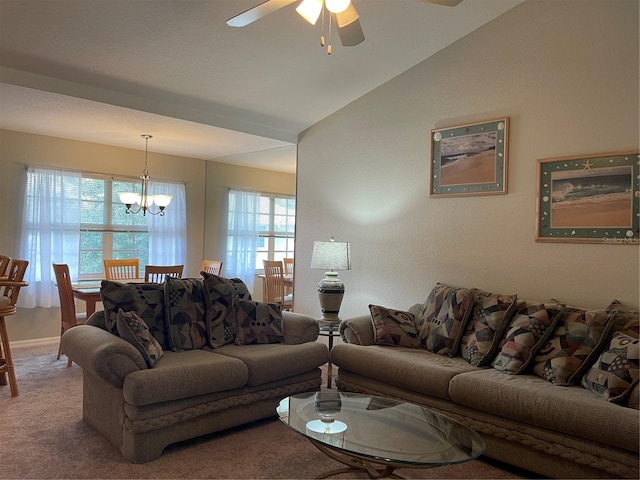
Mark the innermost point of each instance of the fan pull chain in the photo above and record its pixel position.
(330, 31)
(322, 24)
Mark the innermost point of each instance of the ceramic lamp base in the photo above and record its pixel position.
(330, 293)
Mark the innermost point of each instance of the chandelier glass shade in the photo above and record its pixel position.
(145, 200)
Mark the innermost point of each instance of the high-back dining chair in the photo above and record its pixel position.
(274, 284)
(9, 291)
(288, 266)
(4, 265)
(287, 262)
(69, 317)
(156, 273)
(125, 269)
(211, 266)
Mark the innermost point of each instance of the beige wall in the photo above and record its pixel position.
(566, 73)
(205, 186)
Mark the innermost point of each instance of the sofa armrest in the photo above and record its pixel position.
(299, 328)
(102, 354)
(357, 330)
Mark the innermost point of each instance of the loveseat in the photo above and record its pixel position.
(551, 388)
(163, 363)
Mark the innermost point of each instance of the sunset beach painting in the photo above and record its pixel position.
(589, 199)
(600, 197)
(470, 159)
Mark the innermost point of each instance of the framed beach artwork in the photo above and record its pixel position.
(470, 159)
(589, 199)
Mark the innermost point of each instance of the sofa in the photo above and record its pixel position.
(551, 388)
(163, 363)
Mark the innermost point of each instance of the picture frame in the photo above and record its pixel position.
(470, 159)
(589, 199)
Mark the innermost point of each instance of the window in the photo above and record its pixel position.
(77, 218)
(106, 230)
(277, 228)
(260, 227)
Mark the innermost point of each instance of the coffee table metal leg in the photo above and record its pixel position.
(354, 463)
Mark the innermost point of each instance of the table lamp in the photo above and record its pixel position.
(330, 256)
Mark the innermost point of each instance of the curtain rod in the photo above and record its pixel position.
(101, 175)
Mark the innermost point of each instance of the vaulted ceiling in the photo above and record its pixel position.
(106, 71)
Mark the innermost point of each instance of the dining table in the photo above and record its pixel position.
(287, 280)
(89, 292)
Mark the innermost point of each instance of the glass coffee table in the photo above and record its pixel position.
(378, 435)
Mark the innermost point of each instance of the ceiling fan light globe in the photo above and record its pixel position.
(337, 6)
(310, 10)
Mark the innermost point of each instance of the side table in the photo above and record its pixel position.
(329, 330)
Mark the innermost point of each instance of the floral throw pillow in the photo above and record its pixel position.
(258, 322)
(394, 327)
(185, 311)
(530, 328)
(489, 319)
(573, 346)
(615, 372)
(443, 317)
(133, 329)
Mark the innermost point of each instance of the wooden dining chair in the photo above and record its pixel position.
(288, 270)
(69, 317)
(288, 266)
(213, 267)
(274, 284)
(124, 269)
(4, 265)
(9, 291)
(157, 273)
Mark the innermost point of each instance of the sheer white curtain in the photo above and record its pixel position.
(50, 232)
(168, 233)
(243, 235)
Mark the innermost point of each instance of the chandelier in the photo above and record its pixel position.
(145, 201)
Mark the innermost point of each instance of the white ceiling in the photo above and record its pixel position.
(106, 71)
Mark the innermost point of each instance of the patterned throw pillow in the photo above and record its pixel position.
(132, 328)
(394, 327)
(258, 322)
(627, 319)
(145, 299)
(443, 318)
(185, 309)
(222, 298)
(615, 373)
(241, 288)
(530, 328)
(573, 346)
(489, 319)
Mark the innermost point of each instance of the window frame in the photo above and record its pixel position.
(107, 229)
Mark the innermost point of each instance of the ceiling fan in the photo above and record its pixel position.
(340, 12)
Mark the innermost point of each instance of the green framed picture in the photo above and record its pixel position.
(470, 159)
(589, 199)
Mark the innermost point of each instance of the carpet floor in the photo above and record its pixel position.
(43, 436)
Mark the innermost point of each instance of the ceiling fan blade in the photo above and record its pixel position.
(446, 3)
(349, 27)
(265, 8)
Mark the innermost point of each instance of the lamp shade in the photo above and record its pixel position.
(331, 256)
